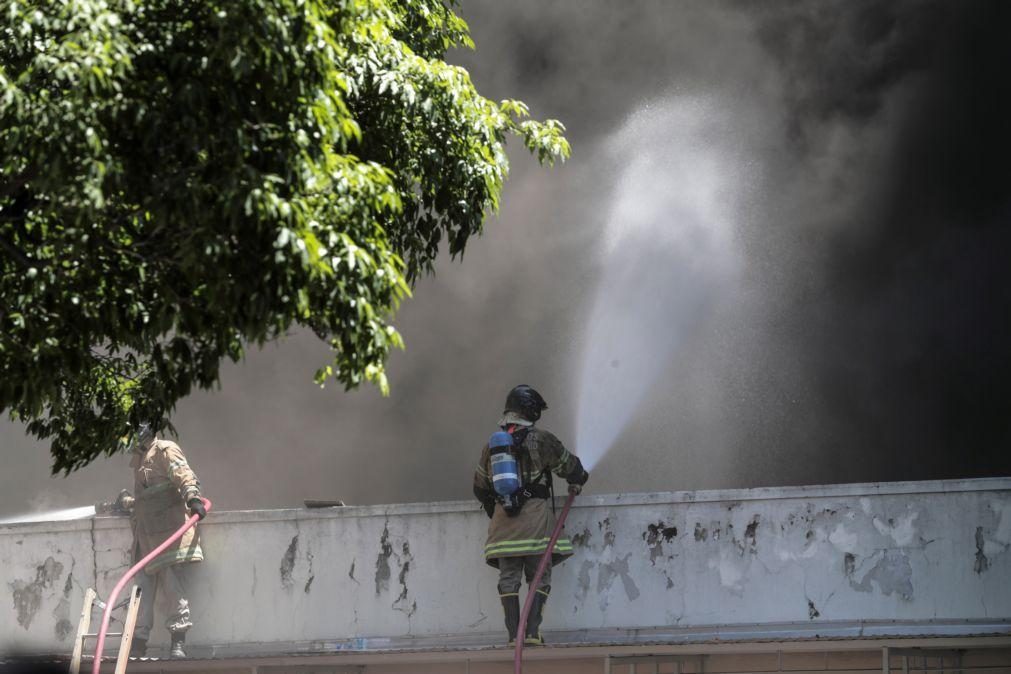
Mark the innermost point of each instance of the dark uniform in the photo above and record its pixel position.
(517, 541)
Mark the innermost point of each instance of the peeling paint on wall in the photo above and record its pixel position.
(394, 551)
(312, 576)
(1002, 529)
(288, 564)
(27, 596)
(401, 602)
(655, 536)
(751, 534)
(383, 561)
(844, 539)
(982, 561)
(583, 580)
(616, 569)
(892, 573)
(732, 569)
(901, 529)
(61, 614)
(993, 536)
(351, 571)
(605, 526)
(582, 539)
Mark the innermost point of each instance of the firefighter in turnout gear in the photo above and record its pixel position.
(521, 523)
(167, 492)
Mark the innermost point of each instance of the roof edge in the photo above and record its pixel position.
(861, 489)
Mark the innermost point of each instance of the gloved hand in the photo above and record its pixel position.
(197, 507)
(576, 485)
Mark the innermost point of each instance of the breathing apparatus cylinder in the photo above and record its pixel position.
(505, 473)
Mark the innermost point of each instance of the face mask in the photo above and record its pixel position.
(141, 439)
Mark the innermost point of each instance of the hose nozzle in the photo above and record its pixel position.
(123, 505)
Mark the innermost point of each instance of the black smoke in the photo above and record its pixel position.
(868, 339)
(910, 352)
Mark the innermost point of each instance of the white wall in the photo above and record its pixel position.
(902, 551)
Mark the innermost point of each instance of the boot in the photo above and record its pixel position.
(533, 632)
(511, 607)
(178, 640)
(138, 648)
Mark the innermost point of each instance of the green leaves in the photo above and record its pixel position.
(179, 180)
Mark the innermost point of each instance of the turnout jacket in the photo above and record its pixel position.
(163, 482)
(527, 532)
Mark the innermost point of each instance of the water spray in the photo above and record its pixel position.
(669, 253)
(52, 516)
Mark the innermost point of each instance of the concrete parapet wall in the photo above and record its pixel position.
(900, 551)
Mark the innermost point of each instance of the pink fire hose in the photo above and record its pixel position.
(532, 587)
(107, 614)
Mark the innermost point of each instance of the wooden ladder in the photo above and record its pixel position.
(125, 637)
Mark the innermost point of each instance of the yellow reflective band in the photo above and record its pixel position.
(534, 541)
(525, 540)
(560, 546)
(542, 541)
(522, 552)
(510, 594)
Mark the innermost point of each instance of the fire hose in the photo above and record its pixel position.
(111, 602)
(532, 587)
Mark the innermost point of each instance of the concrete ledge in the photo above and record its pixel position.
(668, 568)
(996, 484)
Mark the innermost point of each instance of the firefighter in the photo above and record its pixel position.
(521, 524)
(167, 492)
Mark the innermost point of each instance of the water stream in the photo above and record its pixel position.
(668, 252)
(52, 515)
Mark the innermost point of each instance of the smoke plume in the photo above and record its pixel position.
(865, 335)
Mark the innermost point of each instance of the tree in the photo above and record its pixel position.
(180, 180)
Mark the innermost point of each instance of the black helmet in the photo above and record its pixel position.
(526, 402)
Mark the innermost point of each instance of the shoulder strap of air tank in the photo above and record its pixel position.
(546, 473)
(511, 429)
(551, 488)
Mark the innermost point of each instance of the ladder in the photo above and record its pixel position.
(126, 636)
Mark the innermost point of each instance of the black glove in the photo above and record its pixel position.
(576, 485)
(489, 508)
(197, 507)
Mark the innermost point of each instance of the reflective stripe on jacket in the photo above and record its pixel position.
(528, 532)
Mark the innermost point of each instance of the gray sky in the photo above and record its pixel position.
(864, 337)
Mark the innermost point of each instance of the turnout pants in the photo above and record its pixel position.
(176, 584)
(513, 569)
